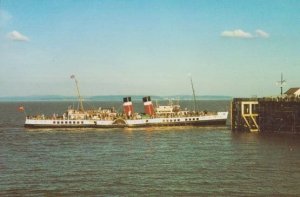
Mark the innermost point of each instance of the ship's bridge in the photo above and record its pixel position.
(164, 109)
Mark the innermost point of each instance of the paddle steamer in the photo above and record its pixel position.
(158, 115)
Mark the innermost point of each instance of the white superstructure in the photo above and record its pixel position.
(107, 118)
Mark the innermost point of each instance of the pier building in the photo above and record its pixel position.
(273, 114)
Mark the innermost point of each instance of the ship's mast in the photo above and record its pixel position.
(193, 94)
(281, 83)
(79, 97)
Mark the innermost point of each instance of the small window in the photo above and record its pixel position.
(70, 122)
(197, 118)
(73, 122)
(193, 118)
(66, 122)
(53, 122)
(81, 122)
(147, 120)
(178, 120)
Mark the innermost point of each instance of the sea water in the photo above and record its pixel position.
(174, 161)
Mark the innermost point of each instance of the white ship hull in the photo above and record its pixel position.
(203, 120)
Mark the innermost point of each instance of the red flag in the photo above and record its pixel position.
(21, 108)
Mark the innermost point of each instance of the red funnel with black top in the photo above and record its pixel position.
(148, 106)
(127, 106)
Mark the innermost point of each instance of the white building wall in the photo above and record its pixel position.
(297, 93)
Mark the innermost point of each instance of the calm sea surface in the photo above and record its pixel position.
(175, 161)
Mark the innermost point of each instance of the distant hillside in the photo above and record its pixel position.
(39, 98)
(110, 98)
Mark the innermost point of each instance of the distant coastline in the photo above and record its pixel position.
(109, 98)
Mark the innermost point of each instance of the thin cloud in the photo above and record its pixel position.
(261, 33)
(238, 33)
(17, 36)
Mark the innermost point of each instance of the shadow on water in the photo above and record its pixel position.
(268, 138)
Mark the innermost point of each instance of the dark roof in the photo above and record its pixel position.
(291, 91)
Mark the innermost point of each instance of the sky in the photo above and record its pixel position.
(149, 47)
